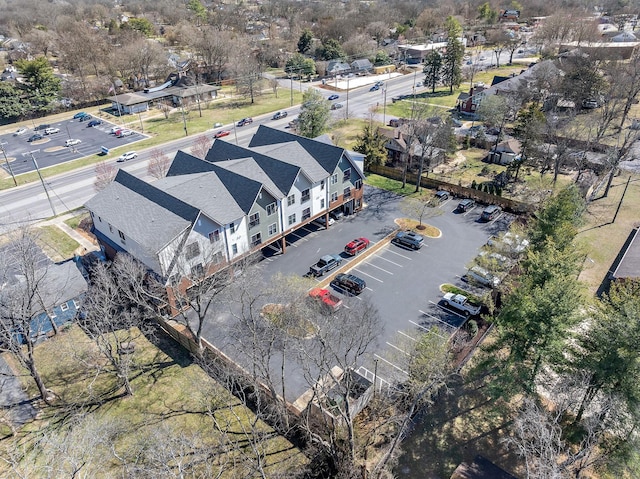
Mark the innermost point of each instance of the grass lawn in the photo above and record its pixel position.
(344, 133)
(56, 243)
(175, 404)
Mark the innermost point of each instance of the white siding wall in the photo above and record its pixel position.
(301, 184)
(239, 238)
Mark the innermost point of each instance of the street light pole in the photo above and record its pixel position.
(346, 113)
(384, 107)
(35, 163)
(184, 120)
(4, 153)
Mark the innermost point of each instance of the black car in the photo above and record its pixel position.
(466, 204)
(491, 212)
(349, 283)
(280, 114)
(35, 137)
(94, 123)
(409, 239)
(85, 118)
(44, 126)
(442, 196)
(245, 121)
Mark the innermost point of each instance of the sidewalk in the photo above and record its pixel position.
(59, 222)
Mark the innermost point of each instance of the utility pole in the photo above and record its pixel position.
(35, 163)
(184, 120)
(4, 153)
(384, 106)
(346, 113)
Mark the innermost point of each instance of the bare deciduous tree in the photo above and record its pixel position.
(201, 146)
(159, 164)
(105, 174)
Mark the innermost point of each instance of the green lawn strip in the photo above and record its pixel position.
(472, 298)
(56, 243)
(389, 184)
(169, 390)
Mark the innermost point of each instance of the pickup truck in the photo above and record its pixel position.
(324, 264)
(461, 303)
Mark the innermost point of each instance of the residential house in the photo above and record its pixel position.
(208, 213)
(505, 152)
(362, 65)
(509, 15)
(398, 147)
(338, 67)
(624, 37)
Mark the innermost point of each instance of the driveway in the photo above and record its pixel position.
(13, 397)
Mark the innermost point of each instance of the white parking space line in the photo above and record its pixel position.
(297, 236)
(397, 348)
(496, 218)
(407, 336)
(437, 319)
(392, 262)
(427, 314)
(448, 310)
(381, 269)
(399, 254)
(469, 211)
(391, 364)
(372, 277)
(419, 325)
(308, 230)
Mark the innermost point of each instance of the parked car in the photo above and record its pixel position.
(356, 246)
(51, 130)
(409, 239)
(72, 142)
(93, 123)
(329, 301)
(481, 276)
(124, 132)
(222, 133)
(322, 221)
(441, 196)
(349, 283)
(490, 213)
(129, 155)
(35, 137)
(280, 114)
(590, 104)
(42, 126)
(461, 303)
(79, 115)
(115, 130)
(333, 97)
(336, 106)
(245, 121)
(325, 264)
(85, 118)
(466, 204)
(20, 131)
(510, 243)
(336, 214)
(374, 88)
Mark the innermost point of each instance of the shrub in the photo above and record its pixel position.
(472, 326)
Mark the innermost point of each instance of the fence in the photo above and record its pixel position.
(457, 190)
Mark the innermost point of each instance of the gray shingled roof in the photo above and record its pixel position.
(244, 190)
(279, 173)
(205, 191)
(186, 164)
(294, 153)
(147, 215)
(327, 156)
(251, 169)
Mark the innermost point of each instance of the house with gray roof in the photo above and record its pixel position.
(211, 212)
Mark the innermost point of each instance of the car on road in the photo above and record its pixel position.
(323, 222)
(325, 264)
(217, 125)
(333, 97)
(123, 133)
(51, 130)
(329, 301)
(490, 213)
(79, 115)
(72, 142)
(466, 205)
(245, 121)
(356, 246)
(441, 196)
(20, 131)
(336, 106)
(374, 88)
(419, 84)
(129, 155)
(409, 239)
(93, 123)
(222, 133)
(35, 137)
(349, 283)
(280, 114)
(85, 118)
(461, 303)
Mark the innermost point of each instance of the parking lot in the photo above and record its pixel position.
(403, 284)
(51, 149)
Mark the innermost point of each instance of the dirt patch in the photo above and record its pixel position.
(423, 229)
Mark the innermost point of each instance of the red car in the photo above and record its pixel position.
(357, 245)
(331, 302)
(222, 133)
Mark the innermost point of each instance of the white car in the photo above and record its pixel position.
(123, 133)
(321, 220)
(20, 131)
(72, 142)
(129, 155)
(51, 130)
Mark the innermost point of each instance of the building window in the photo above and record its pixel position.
(256, 239)
(271, 209)
(122, 238)
(217, 257)
(292, 219)
(52, 315)
(76, 304)
(358, 184)
(234, 249)
(347, 192)
(214, 236)
(197, 271)
(232, 228)
(306, 214)
(305, 196)
(322, 185)
(64, 306)
(192, 250)
(334, 179)
(346, 174)
(334, 197)
(254, 220)
(273, 229)
(291, 200)
(99, 219)
(110, 228)
(321, 203)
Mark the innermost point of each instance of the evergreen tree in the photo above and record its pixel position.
(371, 144)
(41, 85)
(452, 73)
(432, 69)
(305, 41)
(314, 114)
